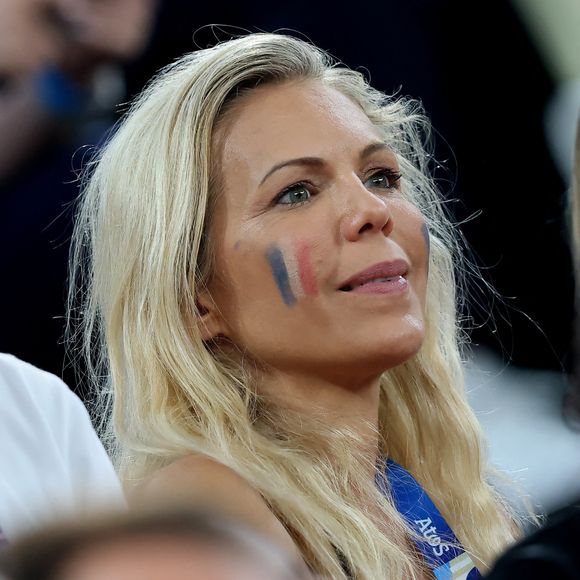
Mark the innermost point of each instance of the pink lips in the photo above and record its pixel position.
(381, 278)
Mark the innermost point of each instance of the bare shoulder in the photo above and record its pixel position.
(197, 478)
(191, 469)
(203, 482)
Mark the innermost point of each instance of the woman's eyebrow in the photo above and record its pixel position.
(318, 162)
(308, 161)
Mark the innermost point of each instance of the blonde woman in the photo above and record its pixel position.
(270, 281)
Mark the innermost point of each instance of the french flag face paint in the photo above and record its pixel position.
(293, 272)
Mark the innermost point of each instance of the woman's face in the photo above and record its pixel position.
(321, 264)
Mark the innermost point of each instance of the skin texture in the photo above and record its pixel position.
(327, 348)
(200, 481)
(170, 559)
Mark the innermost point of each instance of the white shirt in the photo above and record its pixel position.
(52, 463)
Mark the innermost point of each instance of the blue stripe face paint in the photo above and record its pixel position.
(427, 237)
(280, 272)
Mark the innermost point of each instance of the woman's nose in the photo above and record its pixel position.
(365, 213)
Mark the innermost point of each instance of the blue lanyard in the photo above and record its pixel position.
(441, 549)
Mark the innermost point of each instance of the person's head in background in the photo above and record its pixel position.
(161, 545)
(232, 320)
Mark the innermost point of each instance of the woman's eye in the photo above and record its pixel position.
(384, 179)
(295, 194)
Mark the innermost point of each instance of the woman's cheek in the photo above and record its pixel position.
(291, 267)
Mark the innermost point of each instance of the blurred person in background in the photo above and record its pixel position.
(572, 397)
(61, 76)
(157, 545)
(55, 56)
(52, 463)
(550, 553)
(267, 287)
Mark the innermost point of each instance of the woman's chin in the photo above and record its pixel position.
(402, 348)
(370, 365)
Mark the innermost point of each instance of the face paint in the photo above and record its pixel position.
(427, 237)
(293, 272)
(305, 271)
(280, 272)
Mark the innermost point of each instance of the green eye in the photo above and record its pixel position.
(384, 179)
(295, 194)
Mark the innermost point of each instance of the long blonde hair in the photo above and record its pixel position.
(142, 250)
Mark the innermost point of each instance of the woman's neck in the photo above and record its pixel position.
(349, 408)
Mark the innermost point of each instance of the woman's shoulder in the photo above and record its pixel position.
(203, 482)
(194, 477)
(193, 468)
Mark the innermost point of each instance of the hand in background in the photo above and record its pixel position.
(108, 29)
(28, 39)
(74, 35)
(51, 52)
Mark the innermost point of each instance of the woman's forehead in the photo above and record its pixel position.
(290, 120)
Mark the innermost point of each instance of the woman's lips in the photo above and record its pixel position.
(384, 277)
(395, 285)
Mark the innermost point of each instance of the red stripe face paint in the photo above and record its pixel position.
(305, 269)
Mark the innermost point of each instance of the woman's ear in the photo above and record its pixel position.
(210, 323)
